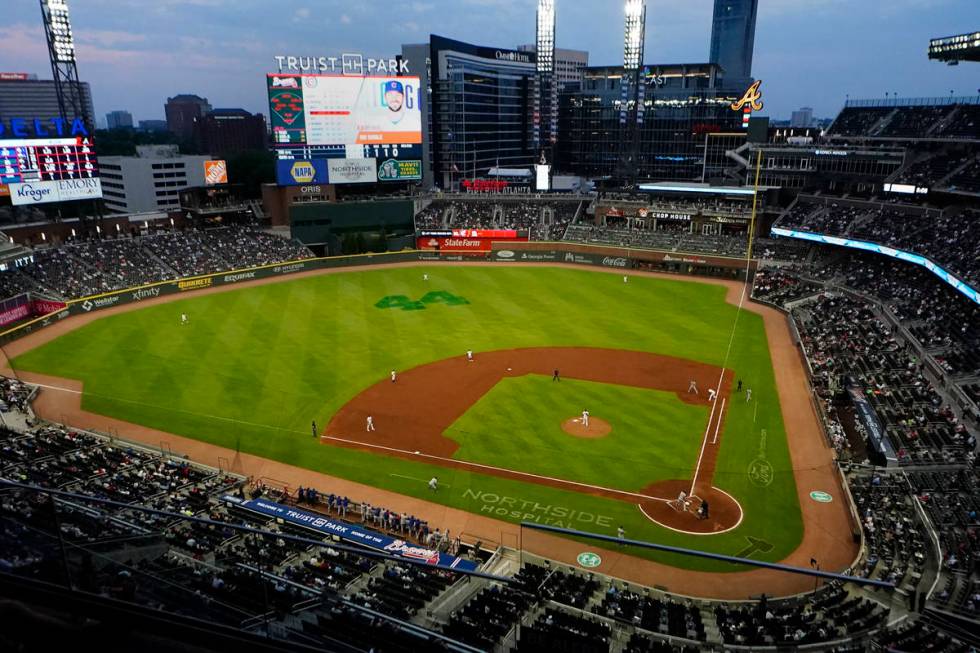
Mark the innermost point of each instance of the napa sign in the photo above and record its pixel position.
(42, 128)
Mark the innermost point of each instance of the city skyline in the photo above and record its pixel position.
(812, 53)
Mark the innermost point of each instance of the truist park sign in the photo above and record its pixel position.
(349, 63)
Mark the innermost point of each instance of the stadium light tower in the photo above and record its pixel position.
(61, 50)
(631, 96)
(547, 83)
(636, 17)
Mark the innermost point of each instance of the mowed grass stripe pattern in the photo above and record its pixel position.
(255, 365)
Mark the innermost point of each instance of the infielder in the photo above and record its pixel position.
(370, 423)
(585, 418)
(693, 387)
(469, 355)
(393, 376)
(711, 394)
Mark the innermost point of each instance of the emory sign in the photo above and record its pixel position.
(346, 64)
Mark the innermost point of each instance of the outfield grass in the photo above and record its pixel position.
(517, 425)
(255, 365)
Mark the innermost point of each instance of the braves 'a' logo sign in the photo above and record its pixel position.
(752, 97)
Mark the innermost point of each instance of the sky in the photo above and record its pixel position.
(136, 53)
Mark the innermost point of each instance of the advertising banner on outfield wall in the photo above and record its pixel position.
(44, 306)
(351, 533)
(15, 310)
(509, 256)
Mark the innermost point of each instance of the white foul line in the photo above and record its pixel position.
(728, 353)
(467, 463)
(714, 440)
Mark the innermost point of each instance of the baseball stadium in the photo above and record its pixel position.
(664, 375)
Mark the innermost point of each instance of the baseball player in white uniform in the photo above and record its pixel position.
(183, 319)
(370, 423)
(693, 387)
(625, 279)
(748, 395)
(469, 355)
(711, 394)
(434, 483)
(393, 376)
(425, 277)
(585, 418)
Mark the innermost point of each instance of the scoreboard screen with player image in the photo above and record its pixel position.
(349, 112)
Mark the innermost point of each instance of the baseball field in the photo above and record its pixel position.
(255, 366)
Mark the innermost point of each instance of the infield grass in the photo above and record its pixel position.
(256, 364)
(517, 425)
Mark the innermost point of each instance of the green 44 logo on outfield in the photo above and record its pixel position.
(434, 297)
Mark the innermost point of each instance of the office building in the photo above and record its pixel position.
(222, 132)
(482, 110)
(569, 64)
(183, 112)
(153, 125)
(733, 39)
(119, 120)
(25, 96)
(686, 113)
(802, 117)
(149, 181)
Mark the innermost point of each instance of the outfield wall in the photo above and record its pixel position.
(504, 252)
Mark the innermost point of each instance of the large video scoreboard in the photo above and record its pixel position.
(50, 159)
(42, 163)
(344, 129)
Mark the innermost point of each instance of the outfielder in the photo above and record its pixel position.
(425, 277)
(625, 279)
(183, 319)
(370, 423)
(748, 394)
(585, 418)
(693, 387)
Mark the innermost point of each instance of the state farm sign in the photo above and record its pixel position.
(475, 245)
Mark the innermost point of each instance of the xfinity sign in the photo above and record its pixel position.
(349, 63)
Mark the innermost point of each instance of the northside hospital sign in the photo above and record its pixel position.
(348, 63)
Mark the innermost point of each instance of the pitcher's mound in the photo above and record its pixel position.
(597, 428)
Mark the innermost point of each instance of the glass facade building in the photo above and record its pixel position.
(733, 39)
(684, 112)
(484, 110)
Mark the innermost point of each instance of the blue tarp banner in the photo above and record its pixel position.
(878, 439)
(351, 533)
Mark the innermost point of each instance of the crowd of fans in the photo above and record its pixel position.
(542, 219)
(950, 238)
(942, 121)
(80, 269)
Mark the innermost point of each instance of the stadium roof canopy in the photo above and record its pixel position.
(697, 189)
(953, 49)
